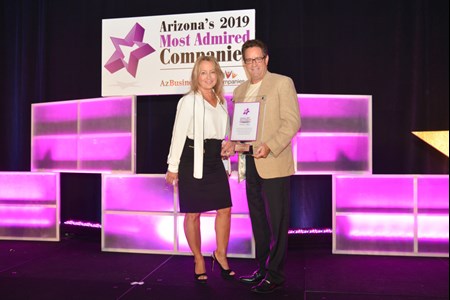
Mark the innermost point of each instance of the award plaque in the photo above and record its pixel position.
(244, 127)
(245, 121)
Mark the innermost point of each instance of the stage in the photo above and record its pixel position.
(76, 268)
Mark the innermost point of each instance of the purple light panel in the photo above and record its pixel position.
(141, 232)
(106, 115)
(331, 153)
(387, 193)
(241, 239)
(31, 217)
(433, 217)
(138, 193)
(238, 195)
(334, 106)
(391, 226)
(106, 153)
(54, 118)
(54, 153)
(391, 214)
(432, 194)
(335, 136)
(374, 234)
(90, 135)
(139, 213)
(433, 228)
(29, 206)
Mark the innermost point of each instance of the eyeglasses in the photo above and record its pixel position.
(258, 60)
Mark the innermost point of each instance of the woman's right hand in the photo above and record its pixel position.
(172, 178)
(227, 149)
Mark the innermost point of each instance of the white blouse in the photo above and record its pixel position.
(197, 120)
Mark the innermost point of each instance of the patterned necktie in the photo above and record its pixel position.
(241, 167)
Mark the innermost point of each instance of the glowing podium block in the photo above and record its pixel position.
(140, 214)
(89, 135)
(391, 215)
(29, 206)
(335, 136)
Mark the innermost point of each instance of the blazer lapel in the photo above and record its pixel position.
(263, 97)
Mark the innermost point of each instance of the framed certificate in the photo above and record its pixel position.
(244, 127)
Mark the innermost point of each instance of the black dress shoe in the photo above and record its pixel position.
(256, 277)
(265, 287)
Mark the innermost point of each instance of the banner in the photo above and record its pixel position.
(155, 55)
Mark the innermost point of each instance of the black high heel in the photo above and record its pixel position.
(200, 280)
(197, 277)
(226, 274)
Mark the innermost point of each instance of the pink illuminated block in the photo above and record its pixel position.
(138, 193)
(353, 193)
(330, 154)
(332, 148)
(323, 106)
(54, 152)
(54, 118)
(241, 238)
(29, 187)
(89, 135)
(391, 226)
(138, 233)
(238, 195)
(320, 153)
(58, 111)
(109, 107)
(432, 193)
(132, 203)
(105, 147)
(112, 114)
(32, 217)
(334, 106)
(391, 214)
(433, 214)
(335, 135)
(29, 206)
(374, 233)
(433, 227)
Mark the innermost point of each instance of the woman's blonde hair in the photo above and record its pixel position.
(218, 88)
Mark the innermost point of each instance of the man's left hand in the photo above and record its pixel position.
(262, 151)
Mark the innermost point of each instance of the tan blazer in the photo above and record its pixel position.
(279, 121)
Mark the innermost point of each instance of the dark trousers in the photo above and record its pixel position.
(268, 203)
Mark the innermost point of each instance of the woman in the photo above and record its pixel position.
(195, 163)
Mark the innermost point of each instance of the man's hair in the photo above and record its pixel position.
(254, 43)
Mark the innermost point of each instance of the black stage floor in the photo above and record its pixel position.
(76, 268)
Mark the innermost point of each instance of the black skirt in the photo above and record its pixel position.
(212, 192)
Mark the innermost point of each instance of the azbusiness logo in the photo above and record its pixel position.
(133, 39)
(232, 79)
(230, 74)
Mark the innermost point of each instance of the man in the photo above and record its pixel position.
(268, 171)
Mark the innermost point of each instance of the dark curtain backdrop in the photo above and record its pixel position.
(395, 50)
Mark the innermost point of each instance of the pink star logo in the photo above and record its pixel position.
(117, 62)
